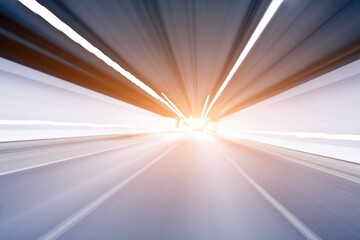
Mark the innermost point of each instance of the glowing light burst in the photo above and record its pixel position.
(275, 4)
(194, 125)
(199, 136)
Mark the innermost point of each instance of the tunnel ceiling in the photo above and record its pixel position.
(185, 48)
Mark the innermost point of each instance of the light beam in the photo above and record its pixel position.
(204, 107)
(54, 21)
(174, 106)
(275, 4)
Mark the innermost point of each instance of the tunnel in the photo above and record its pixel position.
(180, 119)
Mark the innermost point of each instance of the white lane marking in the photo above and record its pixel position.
(312, 165)
(67, 159)
(70, 222)
(300, 226)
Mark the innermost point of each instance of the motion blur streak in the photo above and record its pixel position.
(308, 234)
(192, 182)
(275, 4)
(320, 117)
(63, 124)
(77, 217)
(37, 8)
(204, 107)
(174, 106)
(35, 105)
(245, 124)
(348, 137)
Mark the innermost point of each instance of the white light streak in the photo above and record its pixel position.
(61, 124)
(275, 4)
(347, 153)
(205, 105)
(309, 135)
(53, 20)
(174, 106)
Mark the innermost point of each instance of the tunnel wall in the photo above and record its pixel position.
(321, 117)
(34, 105)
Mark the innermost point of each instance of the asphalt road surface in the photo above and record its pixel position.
(174, 186)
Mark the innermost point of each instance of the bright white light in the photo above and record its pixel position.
(174, 106)
(48, 16)
(198, 123)
(194, 124)
(316, 135)
(61, 124)
(204, 107)
(199, 136)
(347, 153)
(275, 4)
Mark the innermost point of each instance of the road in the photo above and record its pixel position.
(174, 186)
